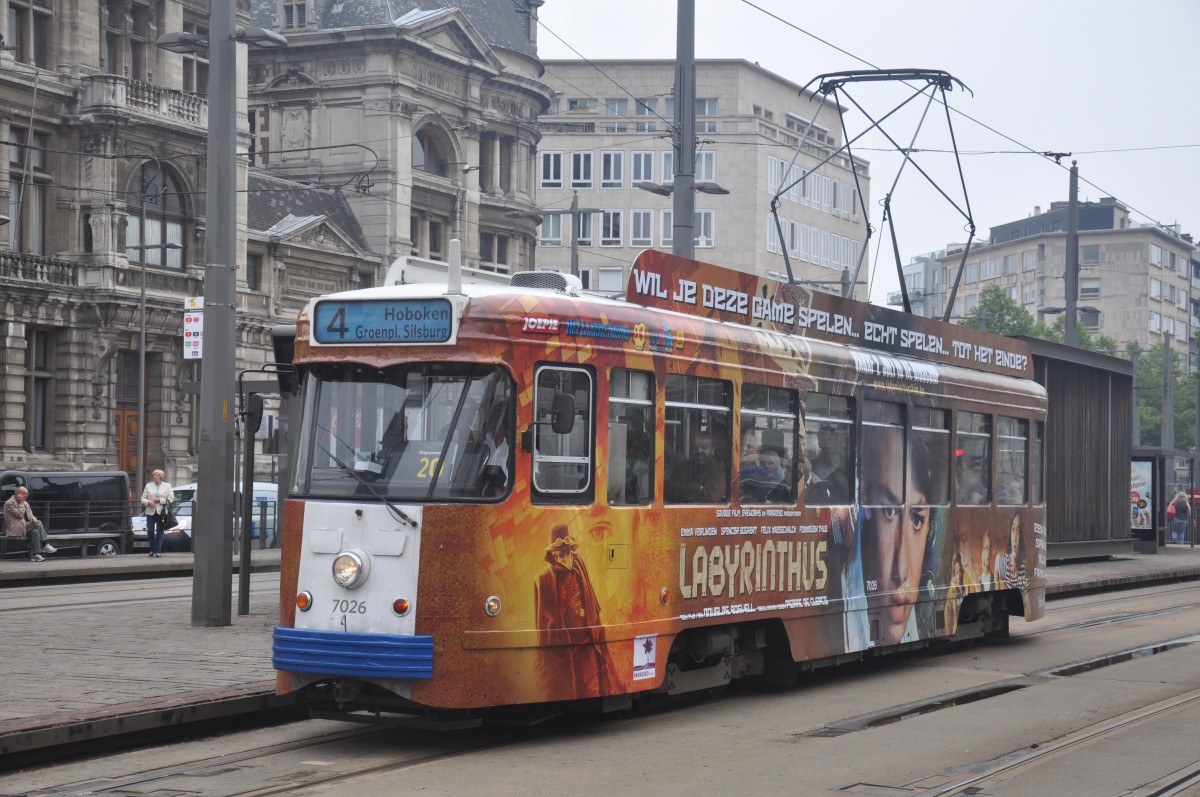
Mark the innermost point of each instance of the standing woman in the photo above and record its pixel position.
(157, 498)
(1179, 523)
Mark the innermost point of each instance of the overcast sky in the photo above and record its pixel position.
(1114, 83)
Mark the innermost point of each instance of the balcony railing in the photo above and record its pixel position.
(25, 267)
(105, 92)
(567, 127)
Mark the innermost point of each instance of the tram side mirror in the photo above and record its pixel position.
(562, 419)
(562, 413)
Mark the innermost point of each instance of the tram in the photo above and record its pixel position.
(523, 494)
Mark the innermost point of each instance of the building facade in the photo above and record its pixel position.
(1136, 281)
(103, 175)
(609, 129)
(426, 120)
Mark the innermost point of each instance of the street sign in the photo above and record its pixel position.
(193, 327)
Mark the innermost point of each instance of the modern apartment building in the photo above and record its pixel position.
(1136, 281)
(609, 129)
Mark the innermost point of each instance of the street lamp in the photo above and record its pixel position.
(141, 416)
(212, 582)
(700, 187)
(1071, 335)
(574, 211)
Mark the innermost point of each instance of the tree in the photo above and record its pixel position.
(1001, 314)
(1150, 398)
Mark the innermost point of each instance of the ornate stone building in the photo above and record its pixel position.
(420, 125)
(426, 119)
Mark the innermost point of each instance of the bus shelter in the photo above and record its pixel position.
(1089, 432)
(1155, 476)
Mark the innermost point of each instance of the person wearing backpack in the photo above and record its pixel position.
(1178, 515)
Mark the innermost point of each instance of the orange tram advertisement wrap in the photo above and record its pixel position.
(527, 495)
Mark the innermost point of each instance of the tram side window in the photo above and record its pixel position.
(562, 463)
(767, 460)
(881, 462)
(931, 452)
(630, 437)
(1012, 443)
(974, 452)
(829, 426)
(697, 440)
(1037, 452)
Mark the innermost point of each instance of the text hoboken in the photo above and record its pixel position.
(407, 312)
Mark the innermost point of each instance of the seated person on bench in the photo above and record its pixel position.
(20, 523)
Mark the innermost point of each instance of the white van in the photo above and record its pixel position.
(266, 498)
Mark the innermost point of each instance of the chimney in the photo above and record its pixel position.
(1037, 210)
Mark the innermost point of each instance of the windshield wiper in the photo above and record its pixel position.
(396, 511)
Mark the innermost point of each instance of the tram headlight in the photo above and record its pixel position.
(492, 606)
(350, 569)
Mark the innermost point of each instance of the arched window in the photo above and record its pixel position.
(154, 233)
(428, 155)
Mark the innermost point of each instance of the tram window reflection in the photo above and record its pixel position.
(829, 427)
(630, 437)
(1012, 444)
(1037, 453)
(974, 454)
(767, 460)
(931, 436)
(697, 440)
(562, 463)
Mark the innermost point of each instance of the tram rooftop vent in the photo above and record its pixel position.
(547, 281)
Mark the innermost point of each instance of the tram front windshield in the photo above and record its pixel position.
(420, 432)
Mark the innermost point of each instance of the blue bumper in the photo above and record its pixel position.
(359, 655)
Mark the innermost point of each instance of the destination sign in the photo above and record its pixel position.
(351, 322)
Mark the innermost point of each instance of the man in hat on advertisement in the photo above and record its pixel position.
(572, 659)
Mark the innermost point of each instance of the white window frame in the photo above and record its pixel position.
(610, 228)
(612, 169)
(549, 232)
(667, 234)
(641, 227)
(641, 167)
(581, 170)
(549, 161)
(604, 279)
(584, 229)
(706, 167)
(704, 223)
(668, 169)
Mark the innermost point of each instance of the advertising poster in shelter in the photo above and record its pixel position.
(1141, 495)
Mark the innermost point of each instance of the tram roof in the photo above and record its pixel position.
(668, 285)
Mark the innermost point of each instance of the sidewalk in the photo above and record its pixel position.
(73, 674)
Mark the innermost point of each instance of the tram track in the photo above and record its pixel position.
(990, 772)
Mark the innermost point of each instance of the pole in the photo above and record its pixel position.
(684, 204)
(141, 416)
(1195, 452)
(213, 580)
(1072, 269)
(247, 517)
(1168, 410)
(1134, 355)
(574, 233)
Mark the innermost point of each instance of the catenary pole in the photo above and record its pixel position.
(212, 581)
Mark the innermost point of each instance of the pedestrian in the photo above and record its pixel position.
(1179, 513)
(157, 499)
(20, 523)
